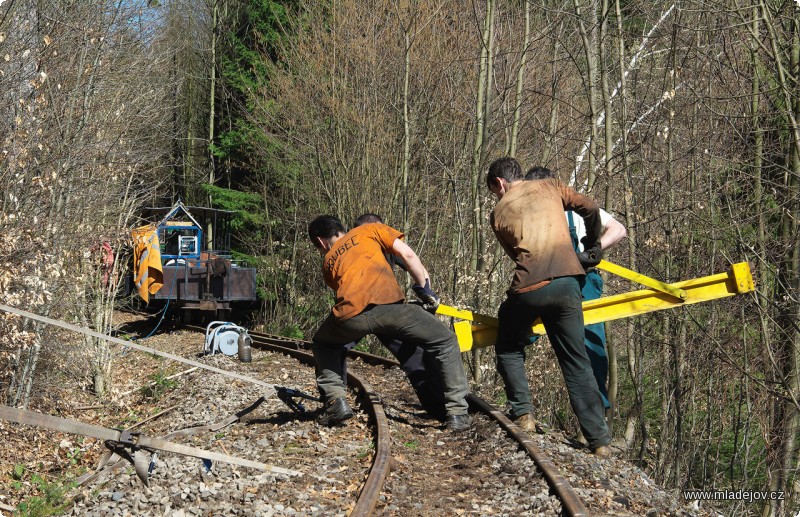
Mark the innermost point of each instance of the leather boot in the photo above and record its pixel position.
(603, 451)
(336, 410)
(611, 450)
(528, 424)
(458, 422)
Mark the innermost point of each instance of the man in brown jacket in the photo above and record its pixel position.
(529, 223)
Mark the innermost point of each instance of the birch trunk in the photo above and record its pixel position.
(482, 110)
(512, 146)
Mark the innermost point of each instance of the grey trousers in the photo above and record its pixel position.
(407, 322)
(559, 305)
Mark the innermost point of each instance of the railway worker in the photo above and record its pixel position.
(414, 362)
(529, 223)
(370, 301)
(594, 335)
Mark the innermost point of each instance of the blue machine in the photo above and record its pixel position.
(199, 271)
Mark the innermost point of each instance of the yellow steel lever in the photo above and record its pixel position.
(479, 330)
(639, 278)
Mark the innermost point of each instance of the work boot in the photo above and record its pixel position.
(458, 422)
(336, 410)
(604, 451)
(528, 424)
(615, 449)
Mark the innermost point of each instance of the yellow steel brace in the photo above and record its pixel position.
(478, 330)
(646, 281)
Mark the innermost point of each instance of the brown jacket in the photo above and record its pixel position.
(529, 223)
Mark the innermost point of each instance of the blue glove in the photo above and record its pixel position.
(533, 338)
(429, 299)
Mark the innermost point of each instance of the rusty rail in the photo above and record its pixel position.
(372, 404)
(573, 506)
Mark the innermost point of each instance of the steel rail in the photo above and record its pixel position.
(127, 438)
(570, 500)
(300, 344)
(370, 401)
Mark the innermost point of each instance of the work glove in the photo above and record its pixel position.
(591, 255)
(429, 299)
(589, 244)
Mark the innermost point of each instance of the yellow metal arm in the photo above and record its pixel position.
(646, 281)
(478, 330)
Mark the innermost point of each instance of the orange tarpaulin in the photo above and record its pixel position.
(148, 276)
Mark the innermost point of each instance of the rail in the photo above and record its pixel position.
(370, 401)
(571, 502)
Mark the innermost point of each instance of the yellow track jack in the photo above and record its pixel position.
(478, 330)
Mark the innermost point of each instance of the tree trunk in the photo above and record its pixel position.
(19, 110)
(552, 125)
(406, 127)
(512, 145)
(590, 46)
(212, 113)
(482, 110)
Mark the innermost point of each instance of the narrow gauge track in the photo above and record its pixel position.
(571, 502)
(370, 402)
(443, 476)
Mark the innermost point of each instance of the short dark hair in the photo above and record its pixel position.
(507, 168)
(325, 227)
(367, 218)
(539, 173)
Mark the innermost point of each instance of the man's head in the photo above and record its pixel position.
(367, 218)
(322, 230)
(503, 172)
(539, 173)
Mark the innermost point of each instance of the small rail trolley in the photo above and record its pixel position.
(185, 259)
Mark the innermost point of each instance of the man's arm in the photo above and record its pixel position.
(587, 209)
(613, 232)
(413, 263)
(396, 260)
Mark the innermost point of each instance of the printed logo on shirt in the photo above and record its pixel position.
(340, 250)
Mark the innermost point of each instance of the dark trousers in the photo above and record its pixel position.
(421, 371)
(559, 305)
(420, 368)
(412, 326)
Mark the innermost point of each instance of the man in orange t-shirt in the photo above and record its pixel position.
(415, 363)
(370, 301)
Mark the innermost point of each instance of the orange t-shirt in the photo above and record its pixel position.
(357, 271)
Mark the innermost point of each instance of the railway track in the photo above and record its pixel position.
(571, 502)
(482, 453)
(345, 470)
(370, 402)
